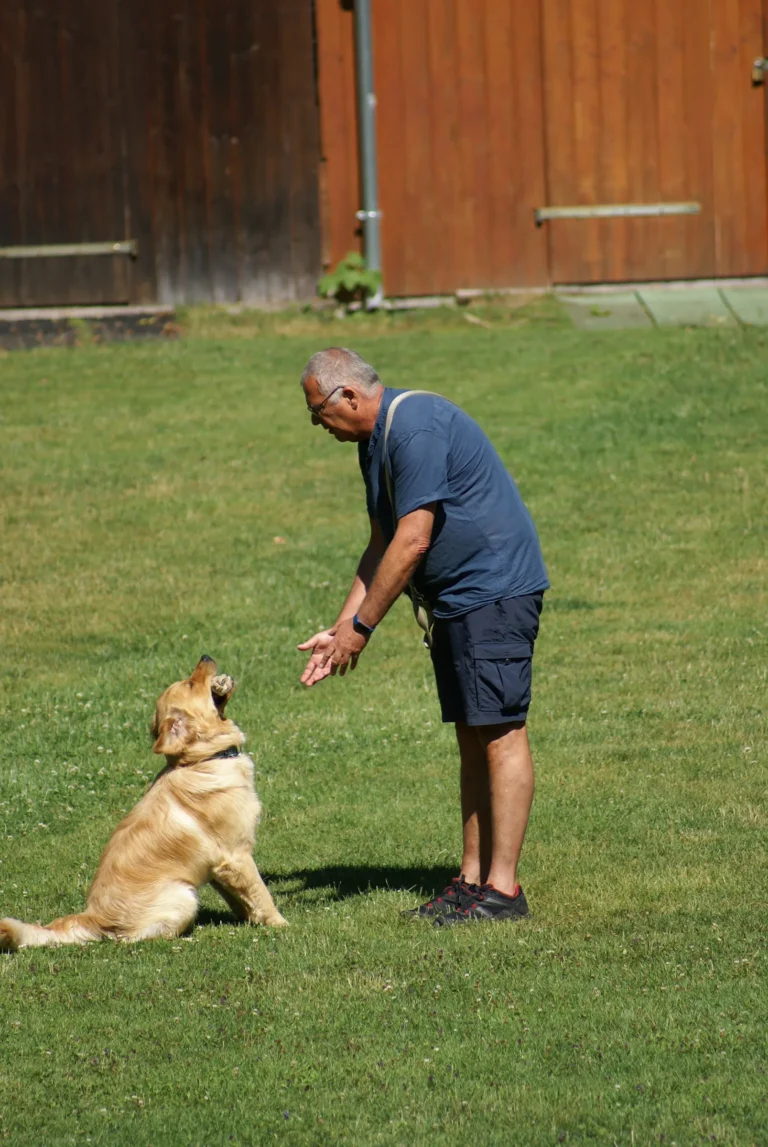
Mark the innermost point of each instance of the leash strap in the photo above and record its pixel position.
(421, 609)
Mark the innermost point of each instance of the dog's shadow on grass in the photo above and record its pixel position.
(339, 882)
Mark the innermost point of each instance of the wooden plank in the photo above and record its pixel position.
(678, 235)
(222, 151)
(275, 210)
(696, 135)
(643, 235)
(612, 160)
(738, 140)
(472, 239)
(390, 115)
(755, 214)
(42, 279)
(190, 116)
(11, 148)
(138, 143)
(301, 133)
(529, 265)
(585, 69)
(338, 126)
(501, 116)
(560, 134)
(167, 219)
(416, 231)
(442, 65)
(259, 134)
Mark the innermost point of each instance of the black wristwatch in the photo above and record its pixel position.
(360, 627)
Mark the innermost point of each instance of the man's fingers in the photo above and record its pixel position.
(315, 670)
(311, 642)
(312, 675)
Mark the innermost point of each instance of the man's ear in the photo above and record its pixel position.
(173, 736)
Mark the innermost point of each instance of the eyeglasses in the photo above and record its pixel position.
(316, 411)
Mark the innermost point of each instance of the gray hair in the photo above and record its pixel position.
(338, 366)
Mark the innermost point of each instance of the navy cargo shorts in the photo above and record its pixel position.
(483, 661)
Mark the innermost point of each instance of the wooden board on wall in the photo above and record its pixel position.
(460, 140)
(339, 172)
(653, 103)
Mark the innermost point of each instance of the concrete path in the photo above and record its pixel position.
(730, 304)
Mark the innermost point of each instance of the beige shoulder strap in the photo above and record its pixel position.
(387, 427)
(421, 610)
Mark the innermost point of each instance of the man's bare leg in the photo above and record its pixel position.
(475, 805)
(510, 780)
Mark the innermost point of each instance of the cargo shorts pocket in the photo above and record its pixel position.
(502, 671)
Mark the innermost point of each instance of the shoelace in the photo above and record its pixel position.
(451, 895)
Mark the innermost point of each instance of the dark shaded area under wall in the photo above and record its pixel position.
(27, 333)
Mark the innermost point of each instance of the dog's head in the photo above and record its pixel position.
(189, 723)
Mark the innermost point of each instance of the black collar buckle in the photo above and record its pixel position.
(232, 751)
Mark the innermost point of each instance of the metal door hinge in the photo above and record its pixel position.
(759, 71)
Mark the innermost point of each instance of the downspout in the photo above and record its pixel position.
(366, 114)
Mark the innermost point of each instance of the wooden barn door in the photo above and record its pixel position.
(460, 141)
(650, 103)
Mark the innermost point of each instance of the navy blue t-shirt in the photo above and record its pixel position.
(484, 543)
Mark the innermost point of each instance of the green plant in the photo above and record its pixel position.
(351, 281)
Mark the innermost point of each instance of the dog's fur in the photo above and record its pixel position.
(195, 825)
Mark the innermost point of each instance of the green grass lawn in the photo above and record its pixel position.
(164, 500)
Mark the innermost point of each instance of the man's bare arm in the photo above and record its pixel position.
(366, 571)
(339, 647)
(318, 665)
(398, 565)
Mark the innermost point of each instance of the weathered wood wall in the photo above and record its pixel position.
(189, 125)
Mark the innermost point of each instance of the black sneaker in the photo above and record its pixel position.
(456, 895)
(487, 904)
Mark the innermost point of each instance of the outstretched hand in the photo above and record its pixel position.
(333, 651)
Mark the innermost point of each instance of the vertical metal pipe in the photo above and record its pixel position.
(366, 114)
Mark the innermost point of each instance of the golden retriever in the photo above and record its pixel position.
(195, 825)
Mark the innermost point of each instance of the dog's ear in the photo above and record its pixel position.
(172, 735)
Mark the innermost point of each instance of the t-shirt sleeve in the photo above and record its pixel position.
(419, 471)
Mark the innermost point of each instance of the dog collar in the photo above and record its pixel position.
(232, 751)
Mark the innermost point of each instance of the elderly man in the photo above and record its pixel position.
(459, 536)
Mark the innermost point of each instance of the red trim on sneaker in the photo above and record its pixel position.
(509, 895)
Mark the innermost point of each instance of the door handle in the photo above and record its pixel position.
(759, 71)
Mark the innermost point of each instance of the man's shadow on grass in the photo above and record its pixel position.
(340, 882)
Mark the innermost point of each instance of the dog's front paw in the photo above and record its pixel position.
(222, 685)
(276, 921)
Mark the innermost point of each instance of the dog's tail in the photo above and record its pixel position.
(14, 934)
